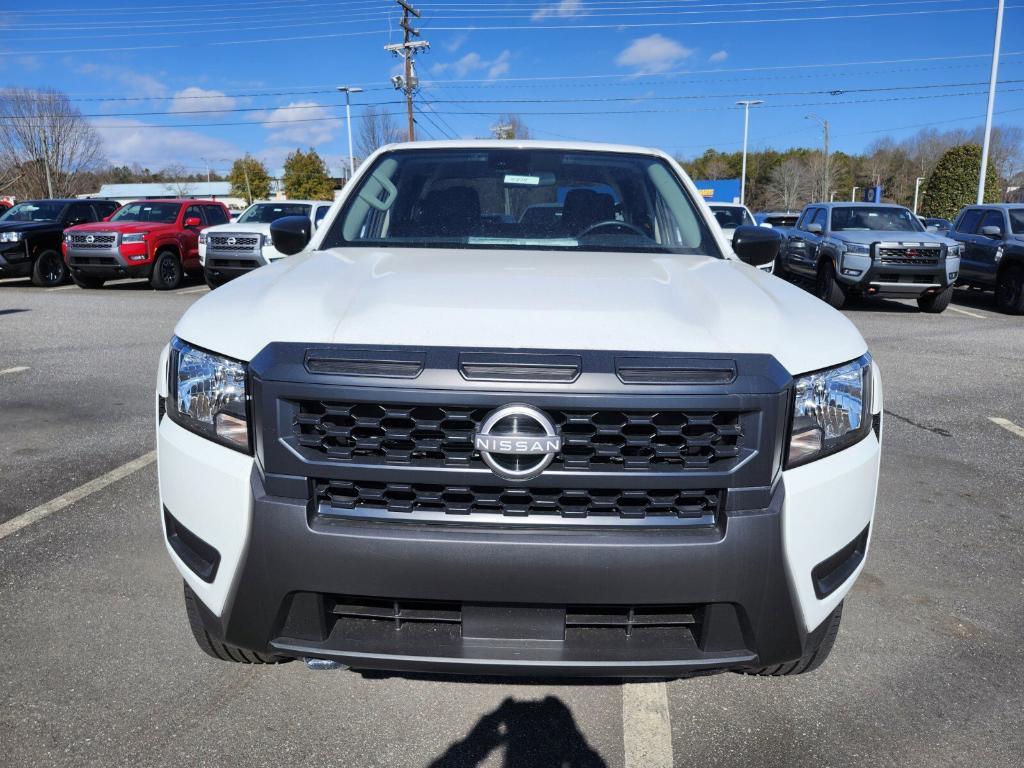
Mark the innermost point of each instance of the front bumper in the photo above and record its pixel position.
(15, 260)
(870, 277)
(291, 580)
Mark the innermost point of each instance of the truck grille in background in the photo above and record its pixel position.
(239, 244)
(517, 504)
(93, 241)
(600, 440)
(914, 255)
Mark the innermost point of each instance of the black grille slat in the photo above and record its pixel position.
(518, 502)
(439, 436)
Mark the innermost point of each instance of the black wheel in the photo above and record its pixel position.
(167, 272)
(217, 649)
(1010, 291)
(935, 302)
(827, 287)
(85, 281)
(49, 270)
(819, 646)
(213, 282)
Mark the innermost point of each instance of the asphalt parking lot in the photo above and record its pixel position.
(99, 667)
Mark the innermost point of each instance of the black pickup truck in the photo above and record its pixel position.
(993, 259)
(32, 231)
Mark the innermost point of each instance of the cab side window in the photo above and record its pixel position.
(807, 218)
(968, 223)
(104, 208)
(819, 218)
(193, 212)
(215, 215)
(320, 213)
(992, 219)
(79, 213)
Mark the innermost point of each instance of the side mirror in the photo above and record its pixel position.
(107, 217)
(765, 224)
(290, 234)
(993, 232)
(78, 220)
(756, 245)
(193, 221)
(814, 229)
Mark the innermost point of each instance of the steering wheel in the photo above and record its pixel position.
(622, 226)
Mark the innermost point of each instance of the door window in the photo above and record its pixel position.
(320, 213)
(194, 211)
(80, 213)
(819, 218)
(215, 215)
(968, 223)
(807, 218)
(992, 219)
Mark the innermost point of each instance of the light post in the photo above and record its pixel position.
(348, 90)
(917, 189)
(824, 125)
(991, 102)
(747, 104)
(853, 195)
(832, 197)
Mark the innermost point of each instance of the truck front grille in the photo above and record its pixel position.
(608, 440)
(439, 503)
(915, 255)
(93, 241)
(228, 243)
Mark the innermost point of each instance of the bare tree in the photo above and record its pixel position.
(787, 183)
(178, 179)
(47, 142)
(510, 127)
(375, 130)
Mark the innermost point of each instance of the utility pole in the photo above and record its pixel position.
(825, 176)
(917, 190)
(407, 49)
(991, 102)
(248, 188)
(348, 90)
(746, 127)
(46, 162)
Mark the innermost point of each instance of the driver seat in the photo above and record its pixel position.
(584, 208)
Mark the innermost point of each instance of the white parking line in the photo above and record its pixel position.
(188, 291)
(967, 312)
(646, 728)
(54, 505)
(20, 368)
(73, 286)
(1008, 425)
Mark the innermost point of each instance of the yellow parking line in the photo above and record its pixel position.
(1008, 425)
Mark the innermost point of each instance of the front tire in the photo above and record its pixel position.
(934, 303)
(217, 649)
(49, 270)
(1010, 291)
(85, 281)
(167, 271)
(819, 646)
(827, 287)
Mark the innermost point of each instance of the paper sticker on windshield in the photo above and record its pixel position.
(527, 181)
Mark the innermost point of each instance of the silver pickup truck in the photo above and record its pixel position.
(870, 250)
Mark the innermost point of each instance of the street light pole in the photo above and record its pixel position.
(917, 189)
(824, 124)
(348, 90)
(853, 195)
(991, 102)
(747, 104)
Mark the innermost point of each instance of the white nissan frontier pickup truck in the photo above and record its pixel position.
(518, 408)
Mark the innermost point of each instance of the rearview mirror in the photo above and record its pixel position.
(193, 221)
(992, 231)
(290, 234)
(756, 246)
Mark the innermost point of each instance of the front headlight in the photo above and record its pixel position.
(208, 395)
(68, 236)
(137, 237)
(10, 237)
(954, 251)
(858, 249)
(202, 235)
(831, 411)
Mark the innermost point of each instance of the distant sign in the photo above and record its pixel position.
(720, 190)
(872, 195)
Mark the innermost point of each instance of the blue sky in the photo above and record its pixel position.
(661, 73)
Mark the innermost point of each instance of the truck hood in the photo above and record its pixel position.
(28, 226)
(522, 299)
(908, 236)
(123, 226)
(248, 228)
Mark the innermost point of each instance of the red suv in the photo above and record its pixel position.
(158, 239)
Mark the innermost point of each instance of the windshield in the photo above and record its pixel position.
(866, 219)
(541, 199)
(1016, 220)
(265, 213)
(732, 216)
(42, 211)
(160, 213)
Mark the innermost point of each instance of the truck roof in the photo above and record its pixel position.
(178, 201)
(858, 205)
(585, 146)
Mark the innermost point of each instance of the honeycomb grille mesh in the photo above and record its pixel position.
(601, 440)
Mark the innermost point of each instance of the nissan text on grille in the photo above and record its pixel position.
(517, 408)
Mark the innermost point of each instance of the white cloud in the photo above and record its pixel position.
(718, 56)
(309, 125)
(474, 62)
(564, 9)
(134, 83)
(130, 141)
(457, 42)
(193, 98)
(651, 54)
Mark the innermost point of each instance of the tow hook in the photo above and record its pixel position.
(320, 664)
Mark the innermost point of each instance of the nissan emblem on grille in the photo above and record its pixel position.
(90, 239)
(231, 241)
(517, 441)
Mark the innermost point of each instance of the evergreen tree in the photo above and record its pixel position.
(954, 182)
(306, 177)
(249, 179)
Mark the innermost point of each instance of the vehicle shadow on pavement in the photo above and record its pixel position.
(983, 300)
(534, 734)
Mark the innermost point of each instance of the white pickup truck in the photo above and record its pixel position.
(229, 250)
(452, 437)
